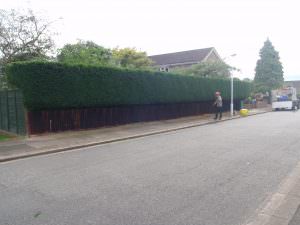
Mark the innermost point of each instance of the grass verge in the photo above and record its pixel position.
(4, 137)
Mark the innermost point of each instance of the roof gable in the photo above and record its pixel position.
(191, 56)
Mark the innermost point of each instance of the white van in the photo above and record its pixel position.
(285, 98)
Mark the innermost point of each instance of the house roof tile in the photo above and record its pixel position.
(196, 55)
(294, 83)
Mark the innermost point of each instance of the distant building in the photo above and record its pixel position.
(294, 83)
(165, 62)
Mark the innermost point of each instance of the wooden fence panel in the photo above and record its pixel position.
(87, 118)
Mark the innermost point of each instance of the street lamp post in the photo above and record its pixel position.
(231, 99)
(231, 88)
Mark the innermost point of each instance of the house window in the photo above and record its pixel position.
(164, 69)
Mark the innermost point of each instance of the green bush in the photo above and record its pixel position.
(48, 85)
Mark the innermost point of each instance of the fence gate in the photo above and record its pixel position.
(12, 113)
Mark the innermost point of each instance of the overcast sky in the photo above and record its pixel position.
(161, 26)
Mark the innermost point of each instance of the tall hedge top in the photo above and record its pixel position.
(48, 85)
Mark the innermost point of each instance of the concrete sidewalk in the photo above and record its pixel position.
(283, 207)
(296, 218)
(57, 142)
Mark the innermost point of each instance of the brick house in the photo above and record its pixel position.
(165, 62)
(295, 84)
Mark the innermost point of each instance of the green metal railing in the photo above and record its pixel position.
(12, 112)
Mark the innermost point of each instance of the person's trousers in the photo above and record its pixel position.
(218, 112)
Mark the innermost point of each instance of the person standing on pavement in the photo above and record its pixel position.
(218, 105)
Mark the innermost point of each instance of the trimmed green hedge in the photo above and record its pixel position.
(48, 85)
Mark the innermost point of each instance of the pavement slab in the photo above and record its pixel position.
(69, 140)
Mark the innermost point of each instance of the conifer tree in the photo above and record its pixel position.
(268, 71)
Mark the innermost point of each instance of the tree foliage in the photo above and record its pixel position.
(89, 53)
(269, 71)
(23, 36)
(85, 52)
(207, 69)
(131, 58)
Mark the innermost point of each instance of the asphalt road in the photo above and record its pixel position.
(217, 174)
